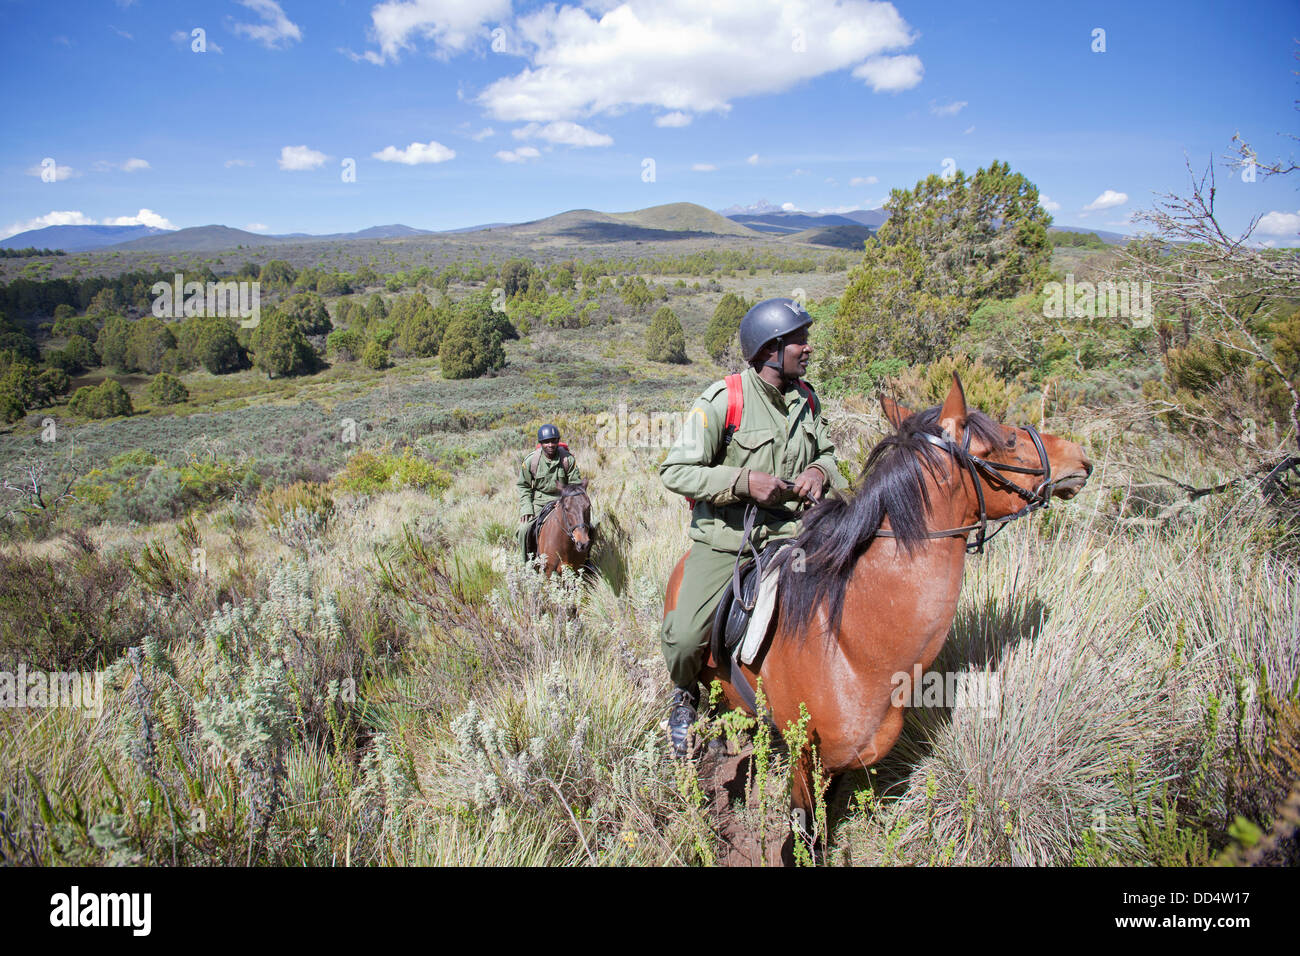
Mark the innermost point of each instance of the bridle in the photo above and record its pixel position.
(1039, 497)
(568, 530)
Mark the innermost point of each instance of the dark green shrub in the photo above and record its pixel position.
(281, 349)
(166, 390)
(108, 400)
(724, 325)
(308, 310)
(345, 344)
(666, 342)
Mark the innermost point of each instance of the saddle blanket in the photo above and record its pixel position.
(764, 605)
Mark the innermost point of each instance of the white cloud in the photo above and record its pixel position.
(562, 133)
(891, 74)
(238, 162)
(686, 57)
(1107, 200)
(863, 181)
(130, 166)
(256, 227)
(121, 33)
(831, 182)
(482, 134)
(60, 172)
(1048, 203)
(968, 130)
(300, 157)
(837, 210)
(1279, 224)
(753, 160)
(789, 207)
(673, 119)
(64, 218)
(800, 172)
(72, 217)
(416, 153)
(275, 29)
(704, 168)
(948, 109)
(453, 27)
(520, 155)
(145, 217)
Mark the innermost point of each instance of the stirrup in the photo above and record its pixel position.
(681, 718)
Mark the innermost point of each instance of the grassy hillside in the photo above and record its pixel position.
(320, 650)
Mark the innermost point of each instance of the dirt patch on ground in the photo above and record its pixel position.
(751, 832)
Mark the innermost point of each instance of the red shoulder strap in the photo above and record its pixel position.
(735, 409)
(735, 406)
(807, 391)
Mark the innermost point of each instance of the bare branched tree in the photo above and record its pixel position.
(35, 486)
(1224, 281)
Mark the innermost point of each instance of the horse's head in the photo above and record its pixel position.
(1019, 460)
(575, 515)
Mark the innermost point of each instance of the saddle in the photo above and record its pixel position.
(537, 524)
(732, 615)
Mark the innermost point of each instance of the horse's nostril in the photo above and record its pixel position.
(1087, 467)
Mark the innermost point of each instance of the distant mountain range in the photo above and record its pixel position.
(78, 238)
(671, 221)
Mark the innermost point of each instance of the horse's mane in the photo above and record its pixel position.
(837, 531)
(569, 491)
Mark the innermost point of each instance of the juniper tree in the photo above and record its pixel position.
(948, 244)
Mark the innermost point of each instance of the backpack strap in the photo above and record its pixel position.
(807, 392)
(565, 458)
(735, 409)
(735, 406)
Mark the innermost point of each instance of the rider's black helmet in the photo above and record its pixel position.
(770, 319)
(547, 433)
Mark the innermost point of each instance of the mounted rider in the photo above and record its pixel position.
(779, 453)
(543, 471)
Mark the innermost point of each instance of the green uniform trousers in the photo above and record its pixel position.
(522, 535)
(686, 629)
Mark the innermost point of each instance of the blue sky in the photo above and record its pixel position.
(519, 111)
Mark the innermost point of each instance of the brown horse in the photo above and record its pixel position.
(565, 536)
(874, 591)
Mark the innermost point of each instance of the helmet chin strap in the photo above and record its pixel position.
(780, 366)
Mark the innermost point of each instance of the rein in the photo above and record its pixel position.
(568, 529)
(1040, 497)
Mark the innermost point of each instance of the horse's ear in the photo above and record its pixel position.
(953, 415)
(894, 412)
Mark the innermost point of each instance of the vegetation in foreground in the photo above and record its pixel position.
(290, 552)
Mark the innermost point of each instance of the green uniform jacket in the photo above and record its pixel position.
(778, 434)
(534, 492)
